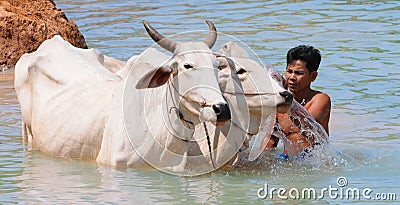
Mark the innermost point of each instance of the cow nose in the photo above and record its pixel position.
(222, 111)
(287, 95)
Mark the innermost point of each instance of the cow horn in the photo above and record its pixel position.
(212, 35)
(158, 38)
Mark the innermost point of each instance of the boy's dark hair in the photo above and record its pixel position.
(308, 54)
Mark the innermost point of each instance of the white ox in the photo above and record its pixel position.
(73, 107)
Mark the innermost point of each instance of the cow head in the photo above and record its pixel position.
(260, 89)
(192, 77)
(251, 89)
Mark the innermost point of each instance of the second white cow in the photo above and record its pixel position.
(253, 96)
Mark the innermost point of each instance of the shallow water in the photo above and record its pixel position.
(359, 41)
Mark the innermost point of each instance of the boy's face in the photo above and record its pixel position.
(298, 77)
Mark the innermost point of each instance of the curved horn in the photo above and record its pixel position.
(158, 38)
(212, 35)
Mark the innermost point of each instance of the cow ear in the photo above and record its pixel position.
(222, 62)
(154, 78)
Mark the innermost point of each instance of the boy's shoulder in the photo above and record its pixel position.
(318, 98)
(316, 94)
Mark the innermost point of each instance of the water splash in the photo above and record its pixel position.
(314, 133)
(319, 156)
(259, 142)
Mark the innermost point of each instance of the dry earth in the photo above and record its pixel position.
(25, 24)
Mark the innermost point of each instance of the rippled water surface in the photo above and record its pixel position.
(360, 44)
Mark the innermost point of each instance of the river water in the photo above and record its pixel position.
(360, 46)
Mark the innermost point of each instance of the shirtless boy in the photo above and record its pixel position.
(301, 70)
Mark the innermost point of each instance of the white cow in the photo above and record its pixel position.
(253, 95)
(73, 107)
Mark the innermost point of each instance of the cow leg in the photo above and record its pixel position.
(26, 136)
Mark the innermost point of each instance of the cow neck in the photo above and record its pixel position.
(242, 129)
(190, 125)
(175, 122)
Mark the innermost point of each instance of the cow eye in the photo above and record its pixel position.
(187, 66)
(241, 71)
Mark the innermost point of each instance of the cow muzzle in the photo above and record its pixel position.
(223, 112)
(288, 99)
(287, 96)
(218, 114)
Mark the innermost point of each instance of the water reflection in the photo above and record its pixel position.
(48, 180)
